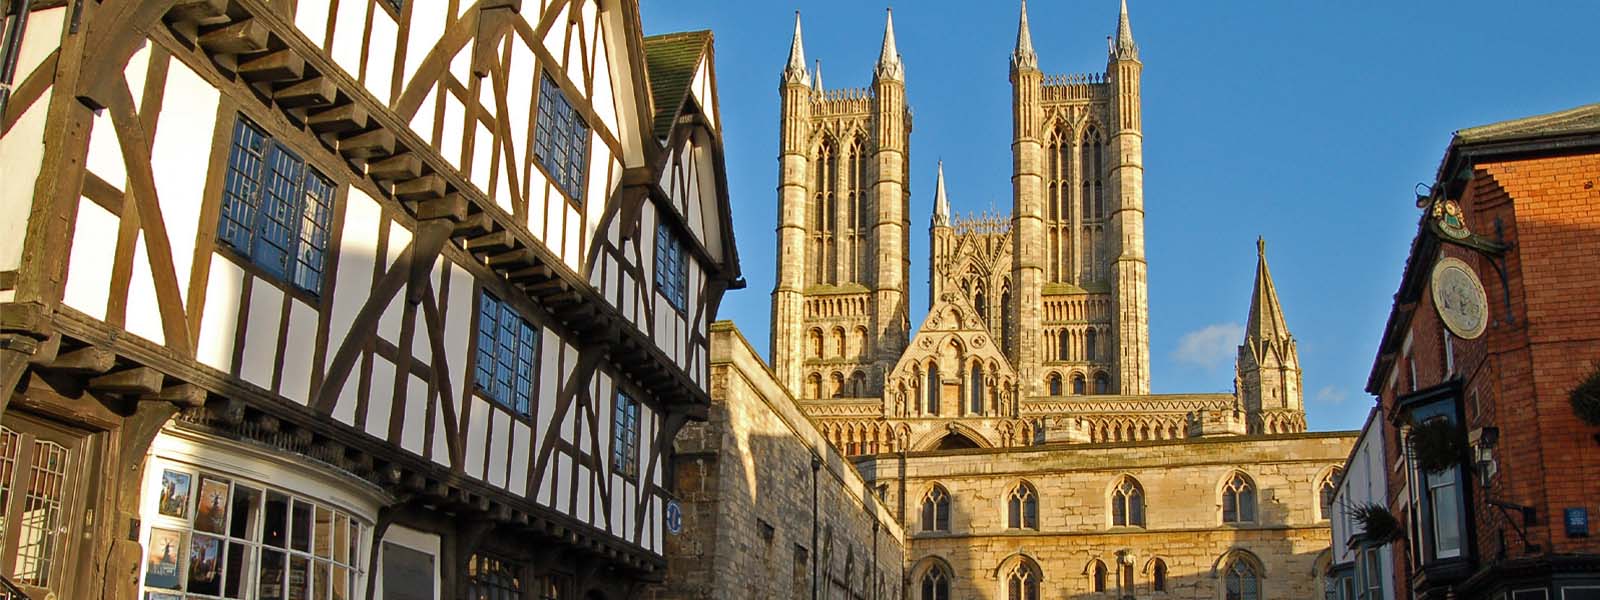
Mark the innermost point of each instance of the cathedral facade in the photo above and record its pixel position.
(1014, 435)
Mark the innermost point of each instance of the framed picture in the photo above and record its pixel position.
(175, 493)
(161, 567)
(211, 511)
(205, 565)
(161, 596)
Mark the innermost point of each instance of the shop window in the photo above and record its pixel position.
(493, 578)
(214, 535)
(507, 355)
(275, 208)
(561, 139)
(38, 472)
(625, 436)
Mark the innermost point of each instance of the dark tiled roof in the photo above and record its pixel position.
(1583, 119)
(671, 59)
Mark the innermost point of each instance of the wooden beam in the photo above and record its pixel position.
(473, 225)
(203, 12)
(282, 65)
(532, 273)
(339, 119)
(240, 37)
(452, 206)
(425, 187)
(311, 91)
(90, 359)
(138, 380)
(186, 395)
(511, 258)
(378, 142)
(494, 240)
(400, 166)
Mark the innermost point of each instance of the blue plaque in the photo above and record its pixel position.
(1577, 520)
(674, 517)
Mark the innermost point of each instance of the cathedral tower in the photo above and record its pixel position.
(839, 313)
(1268, 368)
(1078, 224)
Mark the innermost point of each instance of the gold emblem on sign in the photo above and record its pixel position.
(1459, 298)
(1451, 222)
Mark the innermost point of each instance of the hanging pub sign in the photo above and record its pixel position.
(1459, 298)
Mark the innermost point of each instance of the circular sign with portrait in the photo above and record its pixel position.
(1459, 297)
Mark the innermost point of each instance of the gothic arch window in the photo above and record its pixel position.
(1063, 345)
(1090, 344)
(1127, 503)
(1055, 384)
(1325, 492)
(1077, 384)
(1058, 204)
(975, 392)
(1238, 499)
(823, 189)
(936, 509)
(1022, 581)
(932, 389)
(980, 305)
(814, 343)
(1241, 577)
(1158, 575)
(935, 583)
(1097, 575)
(1022, 507)
(1005, 318)
(859, 221)
(1102, 383)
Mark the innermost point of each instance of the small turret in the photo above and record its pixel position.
(1123, 47)
(795, 71)
(1268, 367)
(1023, 56)
(889, 65)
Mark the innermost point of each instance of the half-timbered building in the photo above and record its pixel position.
(350, 298)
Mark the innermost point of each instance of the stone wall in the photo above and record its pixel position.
(1181, 481)
(745, 479)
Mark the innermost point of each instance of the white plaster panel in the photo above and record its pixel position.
(455, 122)
(574, 61)
(188, 121)
(483, 160)
(458, 328)
(441, 439)
(427, 26)
(389, 322)
(499, 449)
(348, 29)
(422, 122)
(414, 430)
(380, 397)
(261, 334)
(538, 202)
(563, 483)
(555, 39)
(519, 95)
(220, 315)
(605, 102)
(477, 430)
(584, 479)
(143, 311)
(381, 47)
(571, 250)
(311, 18)
(555, 221)
(22, 153)
(521, 441)
(105, 155)
(358, 249)
(135, 71)
(41, 38)
(298, 352)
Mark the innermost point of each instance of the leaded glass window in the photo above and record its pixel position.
(625, 436)
(672, 268)
(1127, 504)
(1022, 508)
(1241, 582)
(936, 510)
(507, 355)
(493, 578)
(935, 584)
(561, 139)
(1022, 583)
(275, 209)
(1238, 500)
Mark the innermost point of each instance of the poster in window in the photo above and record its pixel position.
(205, 564)
(211, 512)
(175, 493)
(161, 568)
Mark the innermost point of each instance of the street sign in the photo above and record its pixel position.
(674, 517)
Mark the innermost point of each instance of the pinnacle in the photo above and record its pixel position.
(816, 81)
(941, 202)
(889, 65)
(1023, 55)
(795, 72)
(1124, 48)
(1265, 323)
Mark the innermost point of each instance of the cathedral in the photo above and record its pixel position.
(1014, 436)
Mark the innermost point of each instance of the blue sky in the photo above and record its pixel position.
(1309, 123)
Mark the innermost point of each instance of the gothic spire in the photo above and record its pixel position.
(1265, 325)
(941, 203)
(1124, 48)
(816, 81)
(1023, 56)
(889, 65)
(795, 72)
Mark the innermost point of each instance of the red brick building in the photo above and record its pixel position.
(1509, 247)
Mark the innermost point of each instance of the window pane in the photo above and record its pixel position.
(277, 520)
(205, 565)
(311, 250)
(236, 576)
(341, 538)
(279, 212)
(241, 185)
(246, 509)
(8, 462)
(40, 520)
(488, 316)
(300, 524)
(319, 584)
(1446, 514)
(271, 574)
(322, 536)
(299, 577)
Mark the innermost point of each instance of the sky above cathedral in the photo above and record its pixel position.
(1308, 123)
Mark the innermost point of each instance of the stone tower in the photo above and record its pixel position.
(1268, 367)
(1080, 300)
(839, 310)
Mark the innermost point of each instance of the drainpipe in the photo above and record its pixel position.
(875, 579)
(816, 465)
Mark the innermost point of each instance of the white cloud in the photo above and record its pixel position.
(1331, 395)
(1212, 346)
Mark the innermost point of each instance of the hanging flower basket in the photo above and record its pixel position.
(1378, 525)
(1437, 445)
(1586, 398)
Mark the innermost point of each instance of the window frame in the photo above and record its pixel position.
(241, 235)
(78, 449)
(1022, 507)
(1236, 492)
(672, 285)
(934, 584)
(626, 411)
(1128, 494)
(506, 584)
(481, 355)
(935, 504)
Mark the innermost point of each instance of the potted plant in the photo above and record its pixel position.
(1437, 445)
(1378, 525)
(1586, 398)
